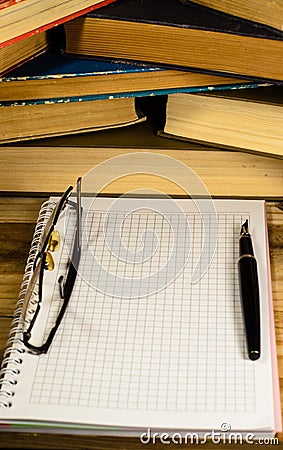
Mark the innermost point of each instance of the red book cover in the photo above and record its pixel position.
(22, 18)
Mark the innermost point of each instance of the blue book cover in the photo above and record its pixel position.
(54, 63)
(54, 77)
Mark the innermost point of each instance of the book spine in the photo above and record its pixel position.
(10, 367)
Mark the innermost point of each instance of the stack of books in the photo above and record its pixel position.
(82, 68)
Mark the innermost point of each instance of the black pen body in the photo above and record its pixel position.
(249, 291)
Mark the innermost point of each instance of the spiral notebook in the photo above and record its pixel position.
(153, 337)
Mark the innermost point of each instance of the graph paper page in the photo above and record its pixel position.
(143, 346)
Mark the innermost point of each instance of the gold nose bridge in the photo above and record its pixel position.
(53, 246)
(49, 261)
(54, 241)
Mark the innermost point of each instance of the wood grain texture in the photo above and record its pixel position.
(19, 209)
(15, 244)
(15, 238)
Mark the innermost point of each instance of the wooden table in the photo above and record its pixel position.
(29, 174)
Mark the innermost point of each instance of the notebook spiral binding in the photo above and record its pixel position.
(10, 368)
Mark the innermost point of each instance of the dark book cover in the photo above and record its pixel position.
(190, 15)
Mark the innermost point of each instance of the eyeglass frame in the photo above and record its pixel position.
(65, 288)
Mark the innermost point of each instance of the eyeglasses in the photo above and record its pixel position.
(34, 301)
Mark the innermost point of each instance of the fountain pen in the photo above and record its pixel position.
(249, 292)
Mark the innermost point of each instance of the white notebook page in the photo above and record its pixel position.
(176, 358)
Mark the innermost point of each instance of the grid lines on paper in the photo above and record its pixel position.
(180, 348)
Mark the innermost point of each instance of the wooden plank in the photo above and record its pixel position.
(20, 209)
(15, 244)
(5, 324)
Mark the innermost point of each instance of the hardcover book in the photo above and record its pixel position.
(269, 12)
(27, 120)
(54, 76)
(170, 33)
(247, 120)
(22, 18)
(22, 51)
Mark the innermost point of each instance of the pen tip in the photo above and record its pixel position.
(245, 227)
(254, 355)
